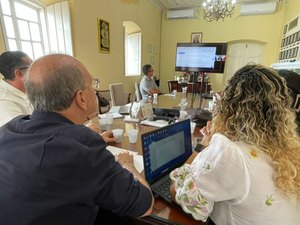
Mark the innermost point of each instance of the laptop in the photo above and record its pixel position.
(164, 150)
(124, 109)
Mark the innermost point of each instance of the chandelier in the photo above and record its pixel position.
(218, 9)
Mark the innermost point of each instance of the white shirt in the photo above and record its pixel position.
(234, 184)
(13, 102)
(146, 84)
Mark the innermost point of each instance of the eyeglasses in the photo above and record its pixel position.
(23, 68)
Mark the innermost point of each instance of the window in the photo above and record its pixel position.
(132, 42)
(25, 28)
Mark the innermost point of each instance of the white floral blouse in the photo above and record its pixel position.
(233, 184)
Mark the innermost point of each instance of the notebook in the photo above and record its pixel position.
(165, 149)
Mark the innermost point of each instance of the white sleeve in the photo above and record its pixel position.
(188, 195)
(220, 171)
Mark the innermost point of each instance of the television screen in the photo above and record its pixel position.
(201, 57)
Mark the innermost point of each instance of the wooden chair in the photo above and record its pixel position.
(173, 85)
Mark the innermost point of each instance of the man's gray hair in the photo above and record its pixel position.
(56, 90)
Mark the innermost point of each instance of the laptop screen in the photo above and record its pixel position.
(165, 149)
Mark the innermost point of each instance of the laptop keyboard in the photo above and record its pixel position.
(162, 187)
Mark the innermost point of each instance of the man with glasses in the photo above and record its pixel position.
(147, 85)
(13, 99)
(54, 170)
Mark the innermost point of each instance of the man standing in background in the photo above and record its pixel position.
(13, 99)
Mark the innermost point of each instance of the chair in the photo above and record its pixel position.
(106, 95)
(173, 85)
(118, 96)
(138, 94)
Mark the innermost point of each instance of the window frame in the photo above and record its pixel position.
(55, 17)
(40, 10)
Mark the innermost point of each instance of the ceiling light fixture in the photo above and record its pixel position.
(218, 9)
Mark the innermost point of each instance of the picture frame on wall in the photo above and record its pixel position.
(103, 35)
(196, 37)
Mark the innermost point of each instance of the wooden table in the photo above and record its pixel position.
(163, 212)
(169, 101)
(191, 87)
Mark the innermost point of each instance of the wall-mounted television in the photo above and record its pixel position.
(201, 57)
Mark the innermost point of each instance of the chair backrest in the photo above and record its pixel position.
(105, 94)
(173, 85)
(118, 95)
(137, 91)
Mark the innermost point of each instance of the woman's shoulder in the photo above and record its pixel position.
(222, 146)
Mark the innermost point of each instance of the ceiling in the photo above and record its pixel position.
(180, 4)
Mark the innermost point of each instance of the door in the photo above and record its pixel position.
(241, 54)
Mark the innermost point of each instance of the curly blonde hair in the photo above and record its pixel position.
(255, 108)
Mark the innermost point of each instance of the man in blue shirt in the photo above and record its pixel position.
(53, 169)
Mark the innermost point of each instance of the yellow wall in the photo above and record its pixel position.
(164, 34)
(263, 28)
(110, 67)
(292, 10)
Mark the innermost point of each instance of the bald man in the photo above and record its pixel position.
(53, 169)
(13, 99)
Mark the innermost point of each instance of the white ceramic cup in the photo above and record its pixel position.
(132, 135)
(118, 134)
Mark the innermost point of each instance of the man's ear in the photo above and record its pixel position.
(18, 74)
(80, 99)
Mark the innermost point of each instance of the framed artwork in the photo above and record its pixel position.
(103, 36)
(196, 37)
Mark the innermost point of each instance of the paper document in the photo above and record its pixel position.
(138, 159)
(129, 119)
(115, 115)
(116, 150)
(155, 123)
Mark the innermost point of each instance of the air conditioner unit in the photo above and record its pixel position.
(180, 14)
(258, 9)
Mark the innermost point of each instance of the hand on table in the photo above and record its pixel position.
(108, 136)
(125, 159)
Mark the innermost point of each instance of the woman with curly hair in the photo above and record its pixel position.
(250, 171)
